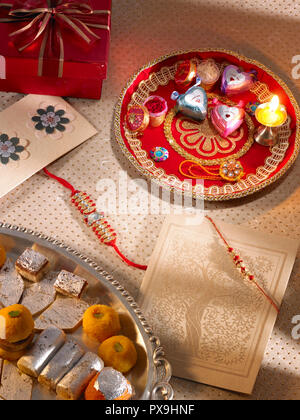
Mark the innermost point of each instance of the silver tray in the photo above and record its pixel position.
(151, 376)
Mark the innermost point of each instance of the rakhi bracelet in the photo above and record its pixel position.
(95, 220)
(209, 174)
(239, 263)
(230, 170)
(107, 235)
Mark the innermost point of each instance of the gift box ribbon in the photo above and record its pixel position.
(46, 20)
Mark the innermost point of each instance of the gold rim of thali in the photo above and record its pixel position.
(209, 197)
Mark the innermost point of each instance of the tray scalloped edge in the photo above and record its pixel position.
(202, 196)
(161, 388)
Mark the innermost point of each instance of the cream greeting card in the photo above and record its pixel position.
(213, 323)
(34, 132)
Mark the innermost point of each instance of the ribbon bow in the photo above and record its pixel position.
(46, 19)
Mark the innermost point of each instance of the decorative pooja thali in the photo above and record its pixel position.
(210, 123)
(147, 379)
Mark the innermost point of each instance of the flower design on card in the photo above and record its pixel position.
(12, 149)
(52, 120)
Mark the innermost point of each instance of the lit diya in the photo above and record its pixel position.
(271, 115)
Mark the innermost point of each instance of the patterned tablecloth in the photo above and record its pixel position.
(142, 31)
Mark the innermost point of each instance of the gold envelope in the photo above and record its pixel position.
(213, 323)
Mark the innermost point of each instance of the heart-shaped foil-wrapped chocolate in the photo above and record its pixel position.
(235, 81)
(192, 103)
(227, 119)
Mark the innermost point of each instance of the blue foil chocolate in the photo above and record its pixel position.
(192, 103)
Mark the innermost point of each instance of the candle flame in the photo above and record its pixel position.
(274, 104)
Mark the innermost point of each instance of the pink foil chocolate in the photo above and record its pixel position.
(235, 81)
(227, 119)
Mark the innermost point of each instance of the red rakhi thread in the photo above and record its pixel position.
(240, 265)
(97, 221)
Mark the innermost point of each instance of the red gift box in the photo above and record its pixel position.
(62, 62)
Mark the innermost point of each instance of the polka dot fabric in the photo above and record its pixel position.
(141, 32)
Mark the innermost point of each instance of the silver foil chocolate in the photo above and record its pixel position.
(75, 382)
(112, 384)
(63, 361)
(42, 351)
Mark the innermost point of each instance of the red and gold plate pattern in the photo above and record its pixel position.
(186, 139)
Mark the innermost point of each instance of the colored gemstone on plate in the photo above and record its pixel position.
(159, 154)
(251, 107)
